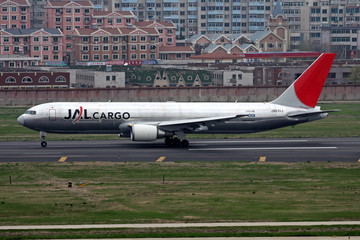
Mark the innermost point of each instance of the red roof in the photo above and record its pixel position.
(64, 3)
(215, 55)
(106, 13)
(89, 31)
(151, 31)
(223, 55)
(20, 2)
(176, 49)
(152, 23)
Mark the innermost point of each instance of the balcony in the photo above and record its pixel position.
(55, 51)
(171, 9)
(58, 22)
(16, 42)
(115, 50)
(55, 42)
(87, 13)
(219, 20)
(58, 13)
(23, 20)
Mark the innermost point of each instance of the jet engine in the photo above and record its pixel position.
(143, 132)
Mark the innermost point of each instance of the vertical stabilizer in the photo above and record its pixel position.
(305, 91)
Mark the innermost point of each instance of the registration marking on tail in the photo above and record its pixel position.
(160, 159)
(62, 159)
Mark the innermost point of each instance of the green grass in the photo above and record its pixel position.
(192, 192)
(345, 123)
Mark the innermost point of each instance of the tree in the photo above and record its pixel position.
(355, 75)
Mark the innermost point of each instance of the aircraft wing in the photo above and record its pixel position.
(176, 125)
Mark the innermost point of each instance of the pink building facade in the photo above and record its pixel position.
(167, 31)
(43, 44)
(68, 16)
(14, 14)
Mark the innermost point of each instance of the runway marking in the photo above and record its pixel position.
(253, 141)
(262, 159)
(263, 148)
(160, 159)
(62, 159)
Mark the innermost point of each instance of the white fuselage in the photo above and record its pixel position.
(113, 117)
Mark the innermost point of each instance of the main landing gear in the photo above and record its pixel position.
(43, 136)
(175, 141)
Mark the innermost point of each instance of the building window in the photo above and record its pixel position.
(68, 28)
(133, 56)
(77, 10)
(96, 39)
(60, 79)
(68, 10)
(133, 47)
(105, 39)
(143, 47)
(46, 57)
(115, 39)
(10, 80)
(68, 19)
(105, 57)
(46, 48)
(13, 9)
(85, 57)
(13, 18)
(178, 55)
(4, 18)
(36, 48)
(77, 19)
(27, 80)
(85, 48)
(152, 56)
(56, 57)
(4, 9)
(43, 79)
(6, 49)
(142, 38)
(107, 78)
(134, 38)
(105, 48)
(96, 47)
(96, 57)
(143, 56)
(115, 57)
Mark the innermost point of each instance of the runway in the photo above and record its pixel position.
(288, 150)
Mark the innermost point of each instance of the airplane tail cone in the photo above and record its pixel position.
(305, 91)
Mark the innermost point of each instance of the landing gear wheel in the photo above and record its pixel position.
(43, 144)
(176, 141)
(184, 143)
(168, 141)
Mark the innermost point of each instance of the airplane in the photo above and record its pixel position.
(149, 121)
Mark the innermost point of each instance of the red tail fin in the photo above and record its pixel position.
(309, 85)
(305, 91)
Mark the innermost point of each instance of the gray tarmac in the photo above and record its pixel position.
(269, 150)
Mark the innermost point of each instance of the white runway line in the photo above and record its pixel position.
(253, 141)
(261, 148)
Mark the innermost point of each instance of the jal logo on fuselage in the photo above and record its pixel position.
(82, 113)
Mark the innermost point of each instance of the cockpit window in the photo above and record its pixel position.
(30, 112)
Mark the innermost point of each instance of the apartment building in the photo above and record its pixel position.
(166, 29)
(43, 44)
(68, 16)
(14, 14)
(115, 44)
(200, 16)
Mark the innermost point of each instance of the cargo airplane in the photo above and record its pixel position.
(149, 121)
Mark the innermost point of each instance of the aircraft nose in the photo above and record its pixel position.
(21, 120)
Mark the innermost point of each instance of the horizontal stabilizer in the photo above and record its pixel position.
(308, 114)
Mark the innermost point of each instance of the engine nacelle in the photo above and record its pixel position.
(143, 132)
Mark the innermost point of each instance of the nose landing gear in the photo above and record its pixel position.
(43, 136)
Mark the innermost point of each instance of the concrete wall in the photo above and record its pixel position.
(184, 94)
